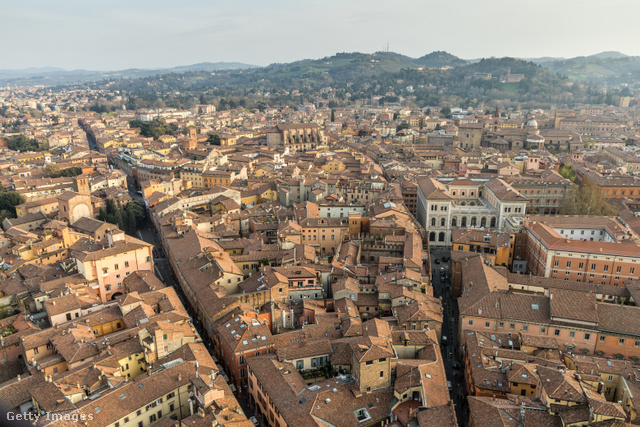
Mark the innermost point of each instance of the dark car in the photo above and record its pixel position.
(437, 261)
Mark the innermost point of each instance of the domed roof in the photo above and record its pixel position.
(532, 122)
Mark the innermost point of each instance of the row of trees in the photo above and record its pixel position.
(21, 143)
(129, 219)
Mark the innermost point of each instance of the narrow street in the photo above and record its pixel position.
(164, 272)
(441, 272)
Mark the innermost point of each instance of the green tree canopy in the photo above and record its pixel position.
(8, 202)
(567, 171)
(128, 219)
(154, 129)
(21, 143)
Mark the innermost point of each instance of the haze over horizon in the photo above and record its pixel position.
(161, 34)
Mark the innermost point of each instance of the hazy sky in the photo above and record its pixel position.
(117, 34)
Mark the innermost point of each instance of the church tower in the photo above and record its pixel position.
(81, 183)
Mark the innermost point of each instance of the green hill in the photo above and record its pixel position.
(346, 77)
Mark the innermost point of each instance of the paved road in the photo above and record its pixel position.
(449, 348)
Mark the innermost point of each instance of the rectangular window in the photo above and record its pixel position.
(512, 326)
(470, 322)
(556, 332)
(501, 325)
(621, 341)
(572, 334)
(487, 324)
(568, 264)
(543, 329)
(602, 338)
(587, 336)
(593, 266)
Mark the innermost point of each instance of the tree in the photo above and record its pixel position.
(362, 132)
(153, 129)
(51, 170)
(8, 202)
(446, 112)
(21, 143)
(402, 126)
(333, 115)
(138, 212)
(55, 120)
(587, 142)
(567, 171)
(213, 139)
(587, 200)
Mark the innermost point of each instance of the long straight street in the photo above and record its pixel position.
(441, 272)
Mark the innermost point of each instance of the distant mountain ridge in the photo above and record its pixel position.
(604, 67)
(59, 76)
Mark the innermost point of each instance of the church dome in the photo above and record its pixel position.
(532, 122)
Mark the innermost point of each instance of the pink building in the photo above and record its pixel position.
(105, 264)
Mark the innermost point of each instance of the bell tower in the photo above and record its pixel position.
(81, 183)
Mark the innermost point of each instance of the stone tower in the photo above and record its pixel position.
(81, 184)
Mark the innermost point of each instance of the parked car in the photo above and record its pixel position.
(438, 261)
(255, 422)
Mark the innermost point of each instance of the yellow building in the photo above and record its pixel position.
(493, 245)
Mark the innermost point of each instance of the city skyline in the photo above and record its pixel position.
(75, 35)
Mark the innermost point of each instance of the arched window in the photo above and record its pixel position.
(473, 221)
(464, 221)
(483, 222)
(432, 236)
(454, 221)
(493, 222)
(433, 222)
(442, 222)
(441, 237)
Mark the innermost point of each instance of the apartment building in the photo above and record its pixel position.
(585, 249)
